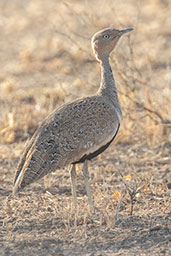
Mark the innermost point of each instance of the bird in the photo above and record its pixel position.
(79, 130)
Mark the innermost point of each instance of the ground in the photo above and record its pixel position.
(46, 61)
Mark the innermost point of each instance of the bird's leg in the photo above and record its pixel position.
(86, 179)
(73, 182)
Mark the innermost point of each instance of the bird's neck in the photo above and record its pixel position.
(107, 85)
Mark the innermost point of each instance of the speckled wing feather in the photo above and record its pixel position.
(70, 132)
(24, 155)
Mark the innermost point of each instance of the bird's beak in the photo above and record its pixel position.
(121, 32)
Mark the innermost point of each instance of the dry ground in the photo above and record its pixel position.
(45, 61)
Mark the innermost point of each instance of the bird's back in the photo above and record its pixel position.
(73, 131)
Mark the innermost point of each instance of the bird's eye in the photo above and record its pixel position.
(107, 36)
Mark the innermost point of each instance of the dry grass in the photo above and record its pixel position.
(45, 61)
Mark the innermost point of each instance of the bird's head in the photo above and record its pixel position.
(104, 41)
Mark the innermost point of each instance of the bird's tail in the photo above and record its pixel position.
(17, 184)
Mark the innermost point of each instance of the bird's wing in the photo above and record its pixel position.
(77, 129)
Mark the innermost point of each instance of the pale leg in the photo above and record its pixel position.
(73, 182)
(86, 179)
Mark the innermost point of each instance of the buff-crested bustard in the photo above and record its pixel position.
(77, 131)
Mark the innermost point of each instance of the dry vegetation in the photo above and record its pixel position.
(45, 61)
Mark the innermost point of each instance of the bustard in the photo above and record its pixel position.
(77, 131)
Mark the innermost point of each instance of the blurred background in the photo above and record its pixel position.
(46, 60)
